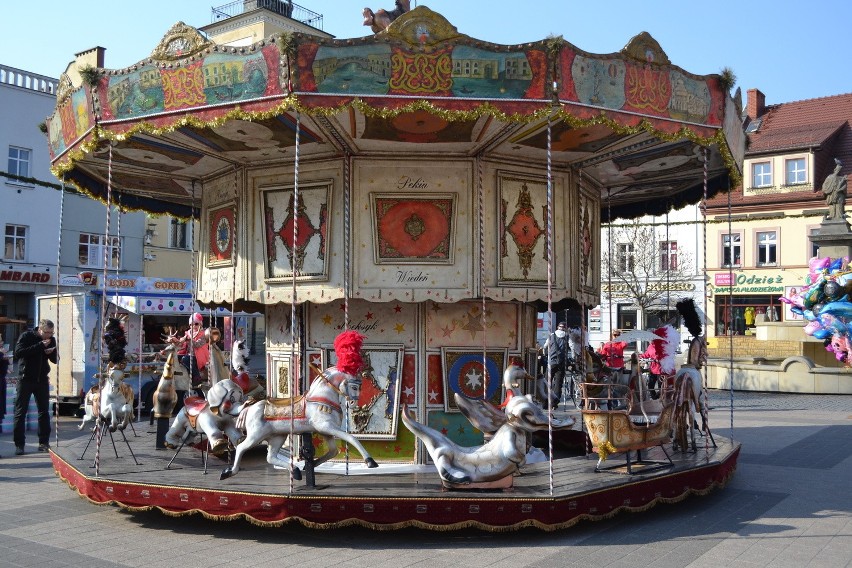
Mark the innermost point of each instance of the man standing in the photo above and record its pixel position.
(33, 352)
(556, 348)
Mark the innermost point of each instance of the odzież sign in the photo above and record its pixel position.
(745, 283)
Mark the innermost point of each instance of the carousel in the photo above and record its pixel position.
(400, 207)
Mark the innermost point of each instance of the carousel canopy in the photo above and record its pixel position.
(629, 123)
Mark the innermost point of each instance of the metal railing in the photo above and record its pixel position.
(27, 80)
(282, 7)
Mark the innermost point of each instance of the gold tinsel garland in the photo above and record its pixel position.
(101, 134)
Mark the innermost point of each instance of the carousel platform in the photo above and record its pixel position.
(405, 496)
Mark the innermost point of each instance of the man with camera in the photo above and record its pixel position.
(35, 350)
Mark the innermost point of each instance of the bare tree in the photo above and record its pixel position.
(641, 267)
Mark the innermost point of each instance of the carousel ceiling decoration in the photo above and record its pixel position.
(633, 125)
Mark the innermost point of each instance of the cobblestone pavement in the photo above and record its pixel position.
(788, 504)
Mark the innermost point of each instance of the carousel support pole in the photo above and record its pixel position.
(126, 441)
(307, 453)
(112, 439)
(130, 423)
(92, 437)
(180, 447)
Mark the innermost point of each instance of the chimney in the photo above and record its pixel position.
(755, 104)
(93, 57)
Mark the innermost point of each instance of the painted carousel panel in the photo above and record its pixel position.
(278, 332)
(383, 323)
(215, 79)
(473, 373)
(623, 82)
(283, 375)
(296, 233)
(221, 232)
(462, 324)
(416, 243)
(413, 228)
(375, 415)
(456, 427)
(522, 229)
(589, 272)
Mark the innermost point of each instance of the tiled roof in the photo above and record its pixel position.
(769, 139)
(803, 124)
(823, 124)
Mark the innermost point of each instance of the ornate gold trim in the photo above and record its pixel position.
(180, 42)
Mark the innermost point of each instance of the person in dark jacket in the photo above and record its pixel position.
(4, 368)
(558, 352)
(34, 351)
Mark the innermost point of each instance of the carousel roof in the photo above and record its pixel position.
(629, 123)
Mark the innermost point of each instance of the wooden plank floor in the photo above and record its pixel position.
(571, 476)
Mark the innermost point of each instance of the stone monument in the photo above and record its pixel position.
(835, 237)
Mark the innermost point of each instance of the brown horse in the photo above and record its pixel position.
(381, 19)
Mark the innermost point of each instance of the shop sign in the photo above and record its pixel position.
(748, 283)
(31, 276)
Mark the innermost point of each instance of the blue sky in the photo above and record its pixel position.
(790, 50)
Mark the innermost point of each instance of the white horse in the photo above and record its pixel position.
(116, 404)
(689, 396)
(320, 410)
(216, 414)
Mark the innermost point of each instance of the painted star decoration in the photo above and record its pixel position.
(473, 379)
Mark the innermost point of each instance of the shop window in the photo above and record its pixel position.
(795, 173)
(740, 314)
(668, 256)
(15, 244)
(626, 261)
(767, 248)
(761, 174)
(731, 250)
(91, 251)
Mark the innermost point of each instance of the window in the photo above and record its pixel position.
(795, 172)
(731, 250)
(668, 256)
(625, 257)
(767, 248)
(15, 245)
(92, 251)
(761, 174)
(178, 234)
(19, 164)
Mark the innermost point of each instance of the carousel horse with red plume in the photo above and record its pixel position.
(321, 410)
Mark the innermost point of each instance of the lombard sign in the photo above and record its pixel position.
(746, 282)
(30, 276)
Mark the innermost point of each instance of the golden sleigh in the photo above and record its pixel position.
(618, 421)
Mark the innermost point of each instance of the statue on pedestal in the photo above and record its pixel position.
(834, 189)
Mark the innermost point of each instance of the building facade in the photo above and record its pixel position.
(649, 265)
(760, 240)
(37, 259)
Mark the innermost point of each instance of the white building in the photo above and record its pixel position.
(30, 214)
(672, 266)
